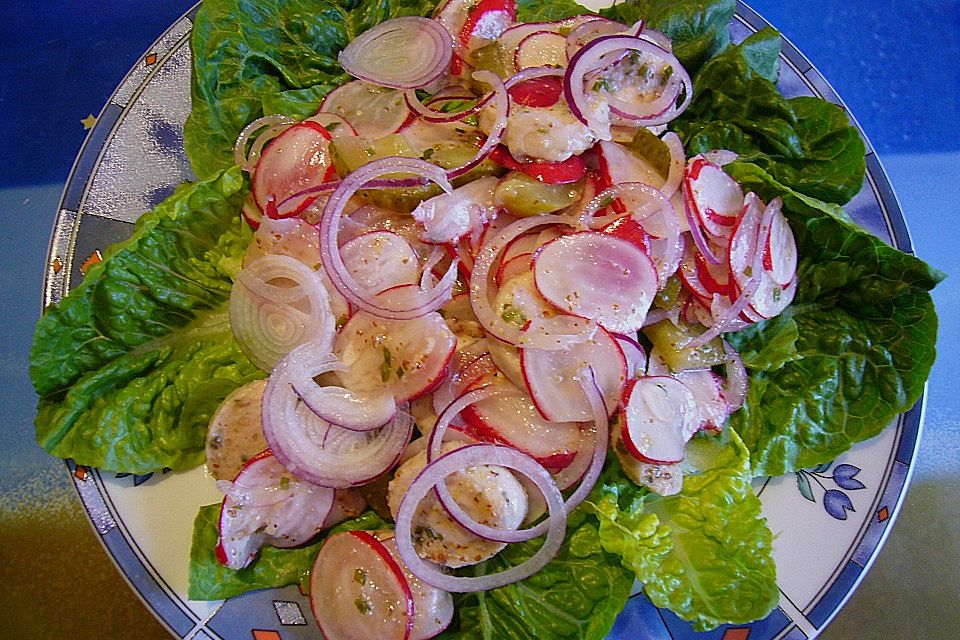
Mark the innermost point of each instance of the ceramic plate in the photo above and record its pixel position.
(828, 522)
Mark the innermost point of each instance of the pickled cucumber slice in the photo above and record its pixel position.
(667, 338)
(524, 195)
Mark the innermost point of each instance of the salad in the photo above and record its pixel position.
(480, 312)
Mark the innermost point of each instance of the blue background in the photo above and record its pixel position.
(896, 64)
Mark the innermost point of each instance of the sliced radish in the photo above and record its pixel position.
(597, 276)
(372, 111)
(540, 92)
(715, 278)
(358, 590)
(380, 260)
(507, 359)
(541, 49)
(513, 420)
(618, 165)
(707, 390)
(336, 126)
(716, 198)
(347, 504)
(780, 258)
(432, 607)
(408, 357)
(266, 504)
(630, 230)
(519, 301)
(515, 266)
(553, 377)
(659, 416)
(293, 161)
(487, 20)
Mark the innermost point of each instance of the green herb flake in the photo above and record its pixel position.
(360, 576)
(362, 605)
(513, 315)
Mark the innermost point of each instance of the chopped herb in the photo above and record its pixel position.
(513, 315)
(667, 72)
(362, 605)
(601, 85)
(360, 576)
(427, 154)
(284, 482)
(400, 372)
(342, 320)
(386, 366)
(425, 533)
(332, 126)
(473, 121)
(422, 95)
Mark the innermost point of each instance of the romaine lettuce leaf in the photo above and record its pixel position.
(699, 28)
(274, 567)
(577, 596)
(865, 340)
(706, 553)
(804, 143)
(131, 365)
(253, 58)
(548, 10)
(720, 569)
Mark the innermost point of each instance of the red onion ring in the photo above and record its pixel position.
(434, 474)
(402, 53)
(410, 304)
(501, 112)
(592, 57)
(586, 219)
(275, 125)
(700, 240)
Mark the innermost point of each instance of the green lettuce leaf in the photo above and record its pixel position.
(699, 28)
(706, 553)
(805, 143)
(273, 567)
(577, 596)
(131, 365)
(864, 344)
(254, 58)
(541, 11)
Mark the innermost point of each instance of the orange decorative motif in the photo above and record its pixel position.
(93, 259)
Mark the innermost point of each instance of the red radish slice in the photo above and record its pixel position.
(487, 20)
(618, 164)
(432, 607)
(716, 198)
(380, 260)
(518, 301)
(561, 172)
(541, 49)
(527, 243)
(659, 416)
(633, 352)
(515, 266)
(507, 359)
(277, 304)
(552, 377)
(630, 230)
(706, 387)
(714, 277)
(335, 125)
(597, 276)
(513, 420)
(470, 376)
(267, 505)
(407, 357)
(780, 258)
(347, 504)
(373, 111)
(358, 590)
(448, 217)
(295, 160)
(541, 92)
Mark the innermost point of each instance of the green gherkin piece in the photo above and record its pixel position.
(492, 57)
(668, 296)
(667, 338)
(524, 195)
(652, 150)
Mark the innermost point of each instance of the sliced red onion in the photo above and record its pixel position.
(699, 240)
(412, 304)
(268, 320)
(402, 53)
(433, 475)
(432, 115)
(315, 450)
(342, 407)
(633, 351)
(273, 126)
(501, 107)
(593, 57)
(654, 202)
(449, 216)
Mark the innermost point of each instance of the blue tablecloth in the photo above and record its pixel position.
(896, 64)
